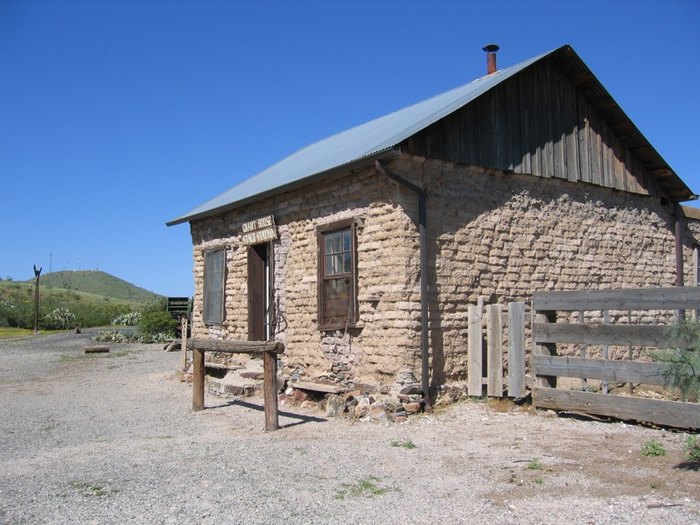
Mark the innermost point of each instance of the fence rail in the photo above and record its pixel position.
(548, 332)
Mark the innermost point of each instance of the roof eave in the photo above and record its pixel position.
(362, 162)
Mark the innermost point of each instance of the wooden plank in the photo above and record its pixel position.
(494, 348)
(270, 390)
(601, 334)
(619, 371)
(474, 350)
(547, 349)
(516, 349)
(669, 413)
(183, 345)
(197, 380)
(229, 346)
(319, 387)
(96, 349)
(677, 297)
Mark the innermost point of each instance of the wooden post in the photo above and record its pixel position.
(197, 379)
(606, 320)
(270, 390)
(184, 324)
(542, 349)
(494, 362)
(583, 350)
(516, 350)
(474, 350)
(37, 275)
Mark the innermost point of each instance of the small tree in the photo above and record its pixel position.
(683, 359)
(155, 319)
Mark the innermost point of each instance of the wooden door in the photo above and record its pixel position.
(258, 292)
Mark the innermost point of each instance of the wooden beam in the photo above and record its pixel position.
(669, 413)
(612, 370)
(270, 390)
(602, 334)
(197, 380)
(494, 361)
(547, 349)
(236, 347)
(633, 299)
(474, 349)
(516, 350)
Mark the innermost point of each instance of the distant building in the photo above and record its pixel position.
(529, 178)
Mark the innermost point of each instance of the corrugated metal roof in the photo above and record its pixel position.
(366, 141)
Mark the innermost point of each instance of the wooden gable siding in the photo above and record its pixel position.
(536, 123)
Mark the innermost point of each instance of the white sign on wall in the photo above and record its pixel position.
(259, 230)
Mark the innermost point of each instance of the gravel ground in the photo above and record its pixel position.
(110, 439)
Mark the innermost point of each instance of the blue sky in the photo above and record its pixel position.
(116, 116)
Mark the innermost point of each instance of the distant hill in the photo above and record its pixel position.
(97, 283)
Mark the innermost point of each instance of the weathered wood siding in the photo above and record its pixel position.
(536, 123)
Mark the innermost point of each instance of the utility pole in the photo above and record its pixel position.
(37, 273)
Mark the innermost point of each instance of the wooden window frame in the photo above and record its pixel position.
(214, 317)
(322, 278)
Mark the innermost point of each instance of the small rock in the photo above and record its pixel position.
(335, 405)
(378, 414)
(361, 411)
(411, 389)
(300, 395)
(309, 405)
(412, 408)
(252, 375)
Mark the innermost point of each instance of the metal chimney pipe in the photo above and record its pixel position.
(491, 58)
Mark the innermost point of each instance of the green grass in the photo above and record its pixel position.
(98, 283)
(13, 332)
(534, 465)
(92, 489)
(94, 298)
(653, 448)
(367, 487)
(403, 444)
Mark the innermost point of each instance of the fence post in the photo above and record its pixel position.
(270, 390)
(542, 349)
(197, 379)
(494, 362)
(474, 349)
(516, 349)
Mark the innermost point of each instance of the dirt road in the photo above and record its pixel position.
(111, 439)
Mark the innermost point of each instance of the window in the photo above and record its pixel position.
(214, 276)
(336, 282)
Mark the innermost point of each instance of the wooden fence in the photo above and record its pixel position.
(494, 378)
(548, 332)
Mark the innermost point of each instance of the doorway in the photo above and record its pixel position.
(259, 292)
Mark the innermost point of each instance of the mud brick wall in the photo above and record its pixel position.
(497, 235)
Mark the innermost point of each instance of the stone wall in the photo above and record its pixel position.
(491, 234)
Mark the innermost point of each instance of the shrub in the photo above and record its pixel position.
(683, 359)
(155, 319)
(59, 319)
(693, 448)
(129, 319)
(653, 448)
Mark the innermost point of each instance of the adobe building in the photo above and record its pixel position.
(363, 251)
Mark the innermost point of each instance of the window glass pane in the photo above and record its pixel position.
(214, 286)
(338, 242)
(347, 263)
(329, 265)
(346, 241)
(338, 263)
(329, 243)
